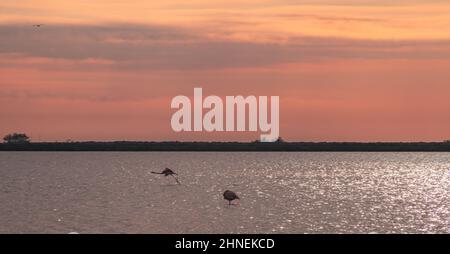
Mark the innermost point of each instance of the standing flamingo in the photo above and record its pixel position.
(230, 196)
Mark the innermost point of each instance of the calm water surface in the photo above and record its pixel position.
(107, 192)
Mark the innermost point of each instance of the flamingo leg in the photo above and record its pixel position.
(176, 179)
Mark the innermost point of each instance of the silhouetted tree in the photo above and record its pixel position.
(279, 140)
(16, 138)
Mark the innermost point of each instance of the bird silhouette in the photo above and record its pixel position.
(230, 196)
(167, 172)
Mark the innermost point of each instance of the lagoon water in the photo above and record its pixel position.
(114, 192)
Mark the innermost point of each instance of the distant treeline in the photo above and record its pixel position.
(226, 146)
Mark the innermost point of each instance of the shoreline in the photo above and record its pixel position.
(136, 146)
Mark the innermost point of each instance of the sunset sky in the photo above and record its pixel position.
(349, 70)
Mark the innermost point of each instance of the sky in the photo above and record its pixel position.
(349, 70)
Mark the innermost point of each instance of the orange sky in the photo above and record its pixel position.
(349, 70)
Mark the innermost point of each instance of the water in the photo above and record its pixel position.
(107, 192)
